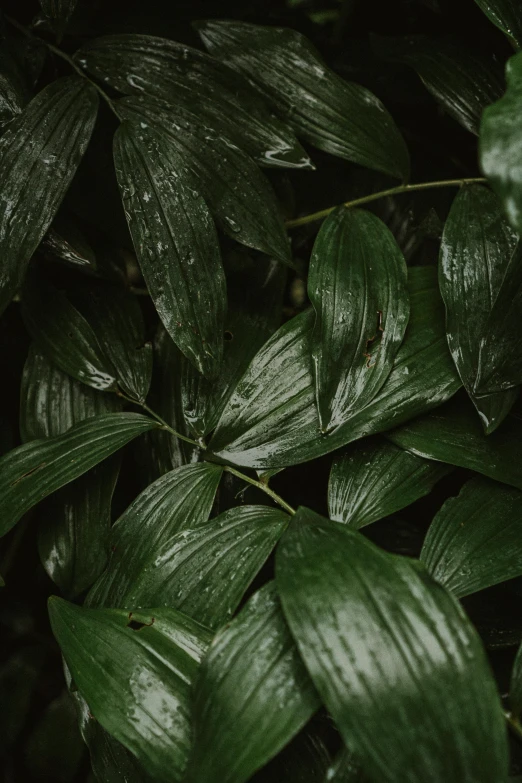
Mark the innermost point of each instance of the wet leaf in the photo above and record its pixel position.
(506, 15)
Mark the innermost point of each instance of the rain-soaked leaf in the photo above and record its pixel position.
(506, 15)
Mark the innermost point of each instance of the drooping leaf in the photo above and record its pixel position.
(474, 540)
(506, 15)
(357, 286)
(336, 116)
(176, 502)
(462, 82)
(244, 715)
(66, 242)
(219, 97)
(476, 247)
(374, 478)
(271, 419)
(236, 191)
(382, 641)
(33, 471)
(135, 671)
(452, 434)
(54, 750)
(204, 571)
(176, 244)
(39, 154)
(500, 148)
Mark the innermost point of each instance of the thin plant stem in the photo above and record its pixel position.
(263, 487)
(161, 421)
(514, 724)
(443, 183)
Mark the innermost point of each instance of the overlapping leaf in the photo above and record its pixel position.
(336, 116)
(357, 286)
(382, 641)
(506, 15)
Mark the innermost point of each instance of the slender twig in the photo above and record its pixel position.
(443, 183)
(263, 487)
(514, 724)
(161, 421)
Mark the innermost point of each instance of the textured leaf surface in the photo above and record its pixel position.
(382, 640)
(135, 672)
(336, 116)
(178, 501)
(452, 434)
(176, 244)
(31, 472)
(375, 478)
(39, 154)
(476, 247)
(219, 97)
(357, 286)
(474, 540)
(506, 15)
(243, 715)
(271, 419)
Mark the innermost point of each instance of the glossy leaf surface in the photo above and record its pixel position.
(30, 472)
(474, 540)
(142, 694)
(176, 244)
(506, 15)
(476, 247)
(336, 116)
(357, 286)
(271, 419)
(382, 640)
(39, 154)
(375, 478)
(243, 715)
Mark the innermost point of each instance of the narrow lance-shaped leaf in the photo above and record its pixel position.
(244, 715)
(474, 540)
(476, 247)
(142, 694)
(357, 286)
(336, 116)
(66, 242)
(33, 471)
(506, 15)
(178, 74)
(39, 154)
(515, 688)
(382, 641)
(374, 478)
(176, 244)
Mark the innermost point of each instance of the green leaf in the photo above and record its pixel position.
(474, 540)
(500, 147)
(271, 419)
(304, 760)
(180, 75)
(345, 769)
(204, 571)
(135, 671)
(452, 434)
(476, 246)
(58, 10)
(176, 244)
(66, 242)
(506, 15)
(244, 714)
(236, 191)
(462, 82)
(178, 501)
(374, 479)
(357, 286)
(19, 676)
(54, 750)
(33, 471)
(39, 154)
(515, 688)
(336, 116)
(382, 641)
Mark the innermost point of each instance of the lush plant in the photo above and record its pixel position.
(271, 441)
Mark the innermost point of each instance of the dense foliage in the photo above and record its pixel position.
(260, 296)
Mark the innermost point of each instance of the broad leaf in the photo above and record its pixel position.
(271, 419)
(374, 479)
(452, 434)
(33, 471)
(219, 97)
(476, 246)
(178, 501)
(39, 154)
(382, 641)
(176, 244)
(135, 671)
(243, 714)
(474, 540)
(357, 286)
(336, 116)
(506, 15)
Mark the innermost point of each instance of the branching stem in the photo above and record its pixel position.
(263, 487)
